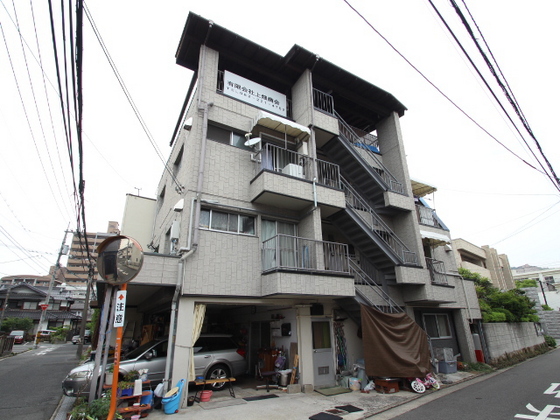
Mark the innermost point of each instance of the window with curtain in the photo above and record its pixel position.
(281, 252)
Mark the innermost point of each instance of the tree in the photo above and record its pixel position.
(11, 324)
(498, 306)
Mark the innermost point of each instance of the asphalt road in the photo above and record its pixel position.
(30, 382)
(530, 390)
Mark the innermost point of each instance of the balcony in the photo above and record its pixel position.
(428, 217)
(286, 252)
(298, 266)
(294, 181)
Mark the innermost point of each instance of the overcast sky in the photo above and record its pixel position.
(486, 194)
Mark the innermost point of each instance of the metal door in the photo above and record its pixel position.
(323, 359)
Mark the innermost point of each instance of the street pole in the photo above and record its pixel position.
(51, 283)
(85, 312)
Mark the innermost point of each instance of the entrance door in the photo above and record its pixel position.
(323, 359)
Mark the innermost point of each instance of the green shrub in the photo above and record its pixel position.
(545, 307)
(525, 283)
(550, 341)
(493, 317)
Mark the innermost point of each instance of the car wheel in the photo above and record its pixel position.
(218, 372)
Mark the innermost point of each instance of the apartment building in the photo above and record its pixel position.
(77, 267)
(485, 261)
(287, 207)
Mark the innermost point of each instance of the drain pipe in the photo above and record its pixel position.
(173, 320)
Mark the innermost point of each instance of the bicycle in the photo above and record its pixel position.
(420, 386)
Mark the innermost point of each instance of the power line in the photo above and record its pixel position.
(504, 86)
(438, 89)
(178, 185)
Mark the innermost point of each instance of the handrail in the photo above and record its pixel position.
(302, 254)
(348, 133)
(362, 279)
(437, 271)
(377, 225)
(291, 163)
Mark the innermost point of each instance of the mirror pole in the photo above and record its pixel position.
(116, 363)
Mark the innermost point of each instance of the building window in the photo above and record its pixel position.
(227, 136)
(437, 325)
(29, 305)
(227, 222)
(178, 160)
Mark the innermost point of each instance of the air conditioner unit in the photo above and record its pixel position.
(293, 170)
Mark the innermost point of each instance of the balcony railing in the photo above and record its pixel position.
(427, 216)
(437, 271)
(287, 162)
(300, 254)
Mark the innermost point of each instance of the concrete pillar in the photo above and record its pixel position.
(183, 339)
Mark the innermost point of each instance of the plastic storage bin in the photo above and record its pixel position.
(171, 400)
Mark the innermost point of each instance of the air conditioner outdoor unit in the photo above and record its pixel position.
(293, 170)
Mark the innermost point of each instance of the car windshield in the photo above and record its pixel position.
(17, 332)
(133, 354)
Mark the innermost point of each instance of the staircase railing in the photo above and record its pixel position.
(362, 279)
(348, 133)
(377, 225)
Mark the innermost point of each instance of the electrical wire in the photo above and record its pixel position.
(128, 96)
(504, 86)
(439, 90)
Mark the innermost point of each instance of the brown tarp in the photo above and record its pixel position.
(394, 345)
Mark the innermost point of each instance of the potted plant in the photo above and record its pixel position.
(131, 376)
(95, 410)
(109, 375)
(125, 388)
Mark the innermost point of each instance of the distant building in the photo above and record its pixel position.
(77, 267)
(485, 261)
(23, 301)
(136, 211)
(28, 279)
(548, 282)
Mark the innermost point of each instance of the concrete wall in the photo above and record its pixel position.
(550, 320)
(509, 337)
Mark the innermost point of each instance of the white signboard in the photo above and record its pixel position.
(120, 305)
(252, 93)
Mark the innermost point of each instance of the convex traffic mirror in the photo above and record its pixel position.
(119, 259)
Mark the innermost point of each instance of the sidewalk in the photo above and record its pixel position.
(279, 405)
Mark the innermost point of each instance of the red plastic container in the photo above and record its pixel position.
(205, 396)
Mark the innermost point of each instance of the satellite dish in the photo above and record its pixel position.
(252, 142)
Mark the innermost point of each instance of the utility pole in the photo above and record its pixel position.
(51, 283)
(85, 312)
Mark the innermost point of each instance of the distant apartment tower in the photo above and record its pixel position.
(77, 267)
(485, 261)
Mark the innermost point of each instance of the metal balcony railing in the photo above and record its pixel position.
(437, 271)
(427, 216)
(377, 225)
(301, 254)
(291, 163)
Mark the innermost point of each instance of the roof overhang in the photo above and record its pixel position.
(435, 239)
(282, 125)
(420, 189)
